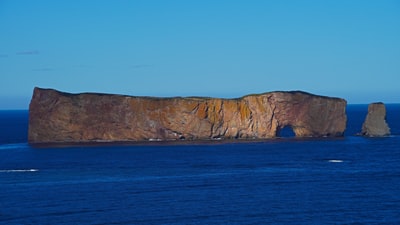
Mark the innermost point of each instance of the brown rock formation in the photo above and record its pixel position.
(88, 117)
(375, 122)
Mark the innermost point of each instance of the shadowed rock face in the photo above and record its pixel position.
(88, 117)
(375, 123)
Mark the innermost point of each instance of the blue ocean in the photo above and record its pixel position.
(348, 180)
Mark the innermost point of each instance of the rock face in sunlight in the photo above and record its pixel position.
(56, 117)
(375, 123)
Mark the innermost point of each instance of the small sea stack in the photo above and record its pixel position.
(375, 122)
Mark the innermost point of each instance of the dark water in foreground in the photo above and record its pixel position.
(350, 180)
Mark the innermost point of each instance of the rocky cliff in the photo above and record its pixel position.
(375, 122)
(90, 117)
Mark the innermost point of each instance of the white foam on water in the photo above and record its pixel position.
(335, 161)
(19, 170)
(14, 146)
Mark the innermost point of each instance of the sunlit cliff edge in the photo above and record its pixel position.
(58, 117)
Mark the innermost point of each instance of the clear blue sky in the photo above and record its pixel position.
(343, 48)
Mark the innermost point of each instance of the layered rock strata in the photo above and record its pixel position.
(375, 122)
(56, 116)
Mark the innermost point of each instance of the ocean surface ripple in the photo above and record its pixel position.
(350, 180)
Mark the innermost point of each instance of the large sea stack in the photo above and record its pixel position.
(375, 122)
(58, 117)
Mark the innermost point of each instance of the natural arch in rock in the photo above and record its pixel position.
(286, 132)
